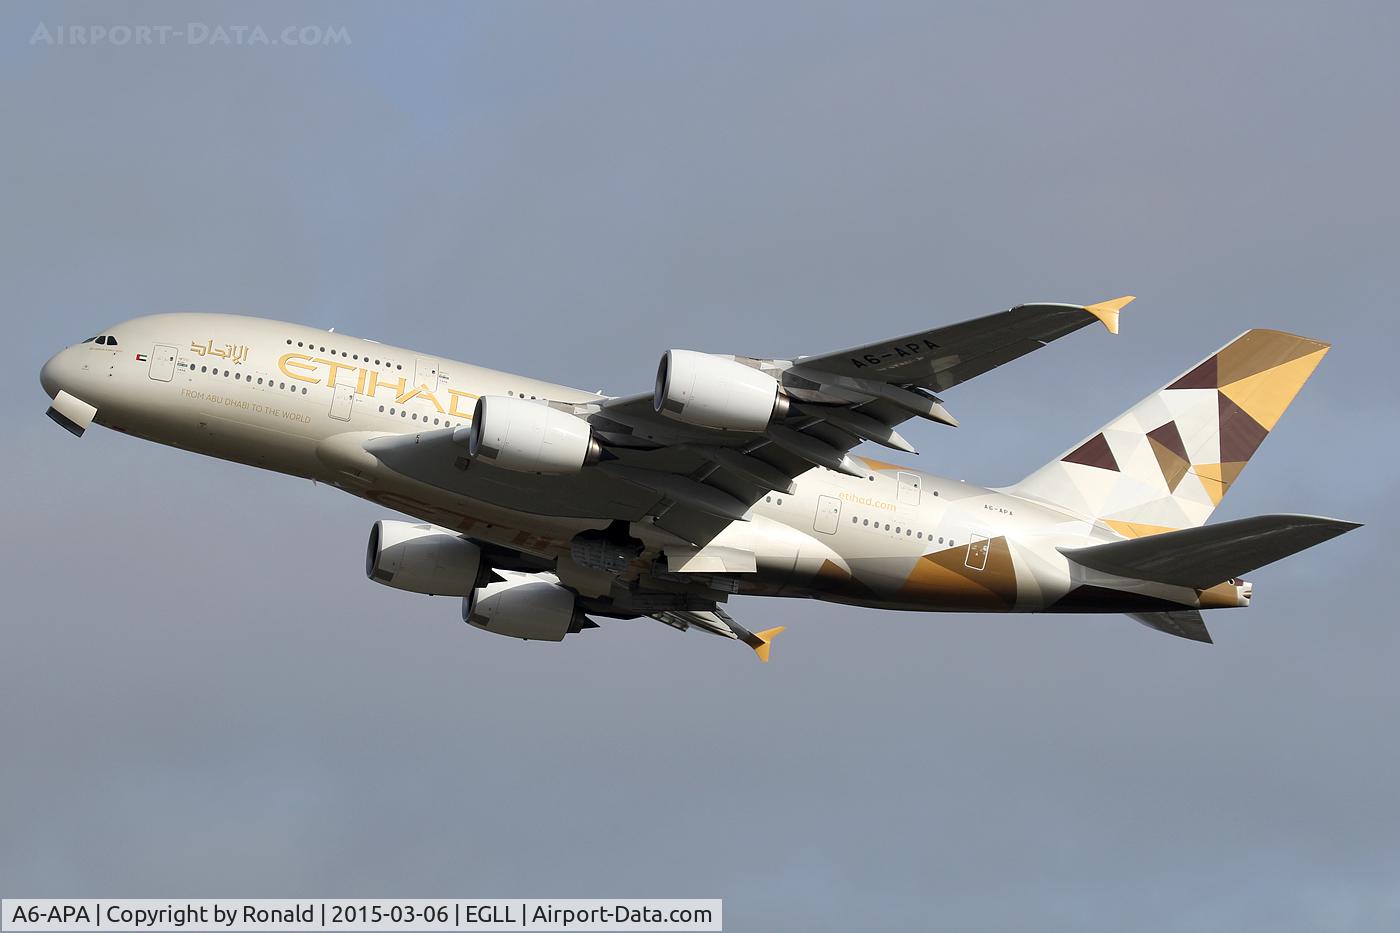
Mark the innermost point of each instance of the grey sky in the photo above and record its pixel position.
(202, 695)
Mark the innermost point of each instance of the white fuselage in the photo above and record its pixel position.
(302, 401)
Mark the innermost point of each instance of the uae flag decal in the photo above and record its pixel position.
(141, 357)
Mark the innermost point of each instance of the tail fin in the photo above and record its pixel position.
(1168, 461)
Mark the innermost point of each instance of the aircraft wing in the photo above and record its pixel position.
(943, 357)
(693, 481)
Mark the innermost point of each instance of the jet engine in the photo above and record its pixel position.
(422, 558)
(530, 437)
(716, 392)
(532, 606)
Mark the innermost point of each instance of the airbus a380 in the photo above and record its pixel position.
(546, 507)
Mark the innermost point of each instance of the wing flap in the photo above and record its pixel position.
(718, 622)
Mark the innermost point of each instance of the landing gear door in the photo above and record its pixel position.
(828, 514)
(908, 488)
(425, 373)
(342, 401)
(163, 363)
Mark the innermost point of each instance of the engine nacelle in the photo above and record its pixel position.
(532, 606)
(530, 437)
(422, 558)
(716, 392)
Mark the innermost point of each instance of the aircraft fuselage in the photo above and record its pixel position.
(303, 401)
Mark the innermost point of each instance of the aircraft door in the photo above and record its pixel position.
(163, 363)
(977, 548)
(425, 373)
(908, 488)
(828, 514)
(342, 401)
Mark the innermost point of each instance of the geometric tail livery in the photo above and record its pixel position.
(1166, 463)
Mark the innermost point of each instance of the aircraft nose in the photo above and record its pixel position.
(52, 373)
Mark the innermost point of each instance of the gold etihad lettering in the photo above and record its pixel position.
(301, 361)
(335, 370)
(368, 382)
(375, 383)
(458, 396)
(234, 353)
(423, 391)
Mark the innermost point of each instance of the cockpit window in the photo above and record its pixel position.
(106, 340)
(89, 340)
(111, 341)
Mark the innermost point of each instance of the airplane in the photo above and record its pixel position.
(547, 508)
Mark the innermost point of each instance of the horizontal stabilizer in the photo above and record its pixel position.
(1183, 623)
(1202, 557)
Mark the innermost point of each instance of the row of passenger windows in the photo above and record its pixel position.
(377, 362)
(898, 529)
(351, 356)
(239, 377)
(865, 522)
(405, 413)
(401, 412)
(871, 477)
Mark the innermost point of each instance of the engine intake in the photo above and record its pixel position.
(716, 392)
(422, 558)
(530, 437)
(531, 606)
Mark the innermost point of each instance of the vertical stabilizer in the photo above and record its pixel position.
(1168, 461)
